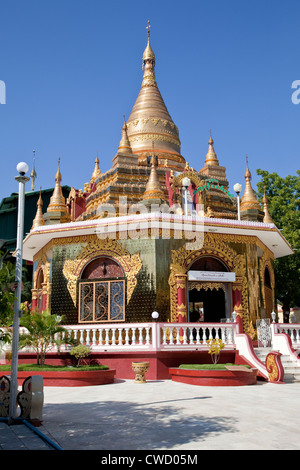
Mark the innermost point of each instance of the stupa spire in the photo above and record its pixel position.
(211, 157)
(38, 220)
(267, 217)
(153, 188)
(96, 172)
(57, 200)
(149, 119)
(124, 146)
(249, 200)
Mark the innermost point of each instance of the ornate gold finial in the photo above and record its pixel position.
(211, 157)
(97, 172)
(148, 28)
(148, 52)
(249, 200)
(38, 220)
(33, 174)
(267, 218)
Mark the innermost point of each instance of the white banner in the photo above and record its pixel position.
(217, 276)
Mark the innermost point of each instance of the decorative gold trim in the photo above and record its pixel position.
(95, 248)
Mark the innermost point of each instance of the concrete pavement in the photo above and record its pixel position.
(165, 415)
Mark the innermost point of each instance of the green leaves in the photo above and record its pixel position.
(43, 331)
(283, 196)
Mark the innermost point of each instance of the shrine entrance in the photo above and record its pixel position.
(209, 291)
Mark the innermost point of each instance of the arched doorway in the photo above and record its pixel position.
(102, 292)
(209, 300)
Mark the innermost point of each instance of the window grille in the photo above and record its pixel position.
(102, 301)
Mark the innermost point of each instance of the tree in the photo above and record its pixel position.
(43, 330)
(283, 196)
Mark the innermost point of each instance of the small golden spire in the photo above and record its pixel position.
(124, 146)
(249, 200)
(211, 157)
(267, 218)
(38, 220)
(153, 188)
(57, 200)
(96, 172)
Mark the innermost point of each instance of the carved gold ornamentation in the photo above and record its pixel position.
(95, 248)
(207, 286)
(43, 264)
(274, 367)
(215, 246)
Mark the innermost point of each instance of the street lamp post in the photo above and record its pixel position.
(22, 168)
(238, 188)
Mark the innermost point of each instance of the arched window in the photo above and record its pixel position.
(102, 292)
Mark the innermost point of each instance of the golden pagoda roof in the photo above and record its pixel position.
(149, 119)
(249, 200)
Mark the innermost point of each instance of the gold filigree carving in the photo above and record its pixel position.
(95, 248)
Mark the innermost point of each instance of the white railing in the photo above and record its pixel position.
(292, 330)
(152, 336)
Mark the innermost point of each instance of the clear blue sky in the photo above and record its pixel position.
(73, 68)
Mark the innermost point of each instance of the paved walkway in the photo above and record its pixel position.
(165, 415)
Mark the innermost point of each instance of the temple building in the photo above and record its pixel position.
(153, 234)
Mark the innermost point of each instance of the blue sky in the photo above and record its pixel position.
(73, 68)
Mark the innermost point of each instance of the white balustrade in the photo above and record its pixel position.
(292, 330)
(148, 336)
